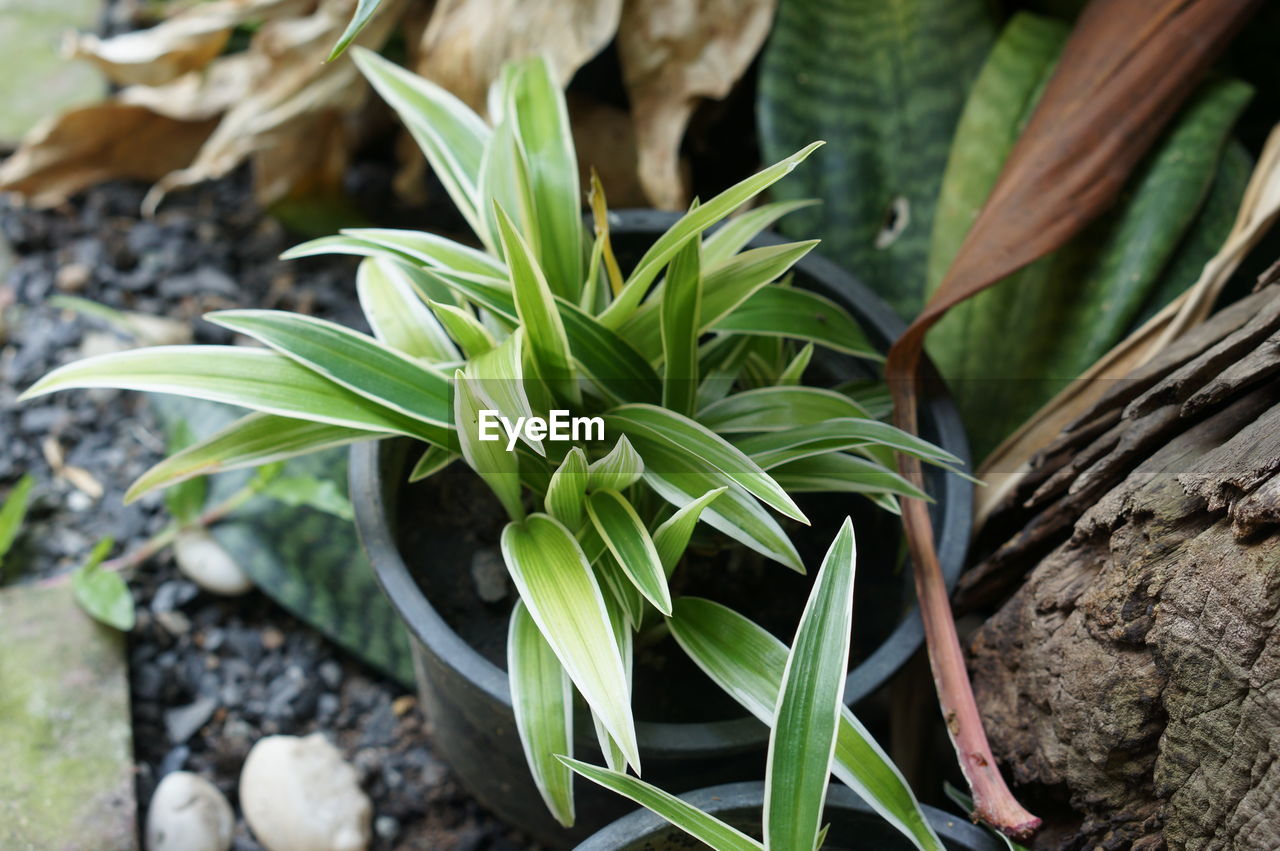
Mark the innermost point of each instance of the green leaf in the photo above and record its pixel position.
(498, 377)
(836, 472)
(567, 492)
(799, 315)
(542, 124)
(13, 512)
(248, 442)
(777, 409)
(536, 307)
(618, 470)
(748, 662)
(886, 95)
(803, 742)
(672, 536)
(732, 236)
(622, 633)
(654, 424)
(397, 315)
(690, 819)
(618, 589)
(792, 374)
(692, 223)
(462, 325)
(433, 460)
(681, 312)
(628, 540)
(357, 362)
(777, 447)
(102, 593)
(363, 14)
(235, 375)
(185, 500)
(558, 587)
(320, 494)
(451, 135)
(489, 458)
(542, 699)
(430, 249)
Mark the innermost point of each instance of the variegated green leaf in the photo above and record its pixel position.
(618, 470)
(462, 325)
(836, 472)
(359, 20)
(430, 249)
(498, 376)
(681, 313)
(835, 435)
(568, 490)
(396, 313)
(672, 536)
(488, 457)
(433, 460)
(799, 315)
(777, 409)
(624, 533)
(732, 236)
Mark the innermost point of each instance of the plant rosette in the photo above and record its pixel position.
(695, 362)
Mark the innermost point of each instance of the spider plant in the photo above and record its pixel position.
(693, 361)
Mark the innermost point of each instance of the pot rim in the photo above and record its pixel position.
(951, 515)
(732, 796)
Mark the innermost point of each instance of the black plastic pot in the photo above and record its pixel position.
(853, 824)
(465, 696)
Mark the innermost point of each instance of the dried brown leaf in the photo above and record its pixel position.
(673, 53)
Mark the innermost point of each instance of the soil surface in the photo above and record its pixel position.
(209, 676)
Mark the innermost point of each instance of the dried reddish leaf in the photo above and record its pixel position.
(1128, 66)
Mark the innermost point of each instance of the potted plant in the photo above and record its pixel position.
(797, 691)
(618, 422)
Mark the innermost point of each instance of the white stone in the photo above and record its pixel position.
(188, 813)
(298, 794)
(207, 564)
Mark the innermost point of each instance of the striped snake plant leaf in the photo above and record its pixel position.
(793, 373)
(429, 249)
(624, 634)
(557, 585)
(798, 315)
(451, 135)
(537, 308)
(681, 315)
(257, 379)
(673, 534)
(338, 244)
(693, 821)
(431, 461)
(472, 337)
(397, 315)
(504, 174)
(348, 358)
(618, 470)
(542, 125)
(489, 458)
(838, 472)
(770, 449)
(777, 409)
(542, 701)
(498, 376)
(359, 20)
(566, 494)
(676, 432)
(624, 533)
(619, 591)
(250, 441)
(731, 237)
(691, 224)
(810, 698)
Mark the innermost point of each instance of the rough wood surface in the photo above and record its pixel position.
(1135, 674)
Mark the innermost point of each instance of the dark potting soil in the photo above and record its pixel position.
(209, 676)
(448, 529)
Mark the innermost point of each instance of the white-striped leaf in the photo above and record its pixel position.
(566, 495)
(624, 533)
(836, 435)
(470, 334)
(681, 312)
(489, 458)
(730, 238)
(396, 313)
(672, 536)
(618, 470)
(798, 315)
(430, 249)
(777, 409)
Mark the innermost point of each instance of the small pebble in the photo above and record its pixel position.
(72, 277)
(188, 813)
(207, 564)
(489, 575)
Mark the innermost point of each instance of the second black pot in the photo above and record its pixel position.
(465, 694)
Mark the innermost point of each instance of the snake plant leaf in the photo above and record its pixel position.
(691, 224)
(488, 457)
(184, 500)
(566, 495)
(348, 245)
(681, 316)
(250, 441)
(542, 125)
(537, 308)
(472, 337)
(618, 589)
(432, 460)
(350, 359)
(835, 435)
(724, 288)
(561, 593)
(747, 662)
(451, 135)
(359, 19)
(397, 315)
(681, 434)
(838, 472)
(732, 236)
(798, 315)
(777, 409)
(693, 821)
(806, 721)
(623, 632)
(542, 701)
(13, 511)
(793, 373)
(498, 376)
(886, 95)
(618, 470)
(236, 375)
(673, 534)
(624, 533)
(429, 249)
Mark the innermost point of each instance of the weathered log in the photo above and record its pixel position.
(1135, 674)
